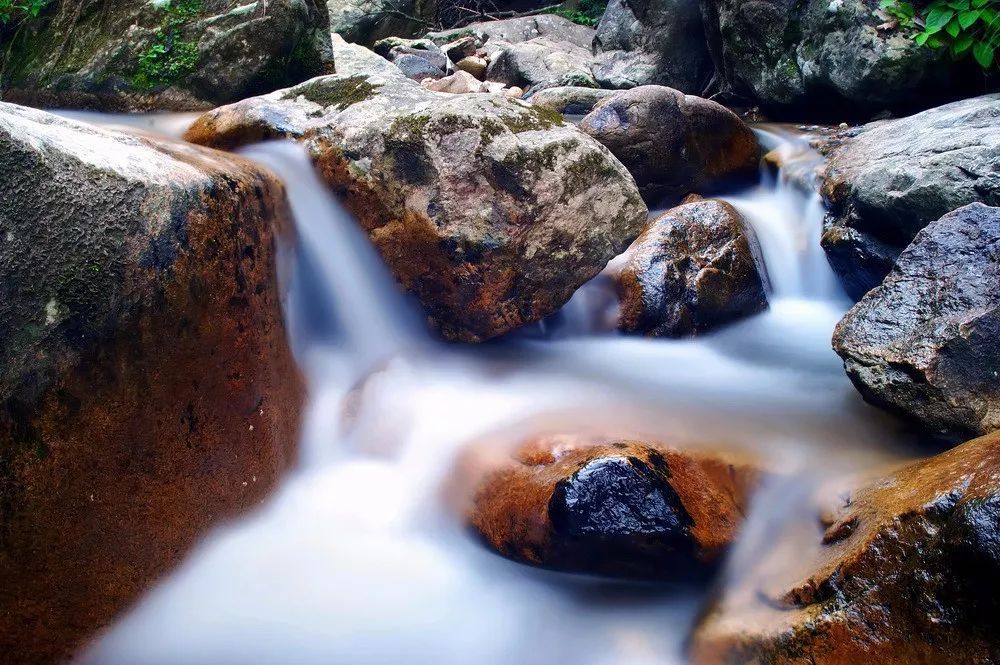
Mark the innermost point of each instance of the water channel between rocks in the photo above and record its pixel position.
(359, 557)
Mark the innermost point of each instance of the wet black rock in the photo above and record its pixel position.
(926, 343)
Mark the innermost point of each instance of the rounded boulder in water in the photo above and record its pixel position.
(673, 143)
(609, 506)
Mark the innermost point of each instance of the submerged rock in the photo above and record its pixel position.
(490, 211)
(652, 42)
(147, 390)
(673, 143)
(903, 568)
(138, 55)
(694, 268)
(926, 343)
(896, 176)
(611, 507)
(570, 100)
(818, 58)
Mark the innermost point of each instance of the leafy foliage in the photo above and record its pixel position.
(963, 27)
(16, 10)
(169, 58)
(588, 12)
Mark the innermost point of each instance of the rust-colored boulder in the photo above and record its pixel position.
(490, 211)
(903, 568)
(673, 143)
(146, 387)
(609, 506)
(696, 267)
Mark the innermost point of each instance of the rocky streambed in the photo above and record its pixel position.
(283, 389)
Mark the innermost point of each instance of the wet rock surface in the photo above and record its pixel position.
(924, 343)
(137, 55)
(818, 58)
(146, 387)
(896, 176)
(611, 506)
(897, 568)
(672, 143)
(652, 42)
(490, 211)
(570, 100)
(694, 268)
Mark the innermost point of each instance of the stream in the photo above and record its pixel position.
(360, 558)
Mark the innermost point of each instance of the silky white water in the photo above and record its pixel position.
(359, 557)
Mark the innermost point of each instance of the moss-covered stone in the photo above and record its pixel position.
(338, 93)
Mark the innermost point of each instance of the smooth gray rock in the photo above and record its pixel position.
(926, 343)
(895, 176)
(517, 30)
(540, 63)
(661, 42)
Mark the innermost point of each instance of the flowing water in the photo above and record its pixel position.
(359, 557)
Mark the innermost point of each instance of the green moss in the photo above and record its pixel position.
(169, 58)
(335, 92)
(535, 119)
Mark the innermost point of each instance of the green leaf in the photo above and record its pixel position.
(959, 5)
(961, 45)
(976, 4)
(953, 28)
(934, 41)
(983, 53)
(966, 19)
(921, 39)
(937, 18)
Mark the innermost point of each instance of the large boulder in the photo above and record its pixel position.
(540, 63)
(138, 55)
(694, 268)
(418, 59)
(490, 211)
(521, 29)
(894, 177)
(147, 390)
(825, 59)
(672, 143)
(926, 343)
(606, 505)
(652, 42)
(901, 568)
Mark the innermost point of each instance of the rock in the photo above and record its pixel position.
(136, 55)
(903, 568)
(823, 60)
(147, 391)
(367, 21)
(461, 82)
(514, 92)
(416, 58)
(490, 211)
(608, 506)
(572, 100)
(673, 143)
(652, 42)
(694, 268)
(894, 177)
(926, 343)
(522, 29)
(461, 48)
(473, 65)
(540, 63)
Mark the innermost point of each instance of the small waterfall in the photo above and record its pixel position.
(358, 558)
(338, 274)
(786, 212)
